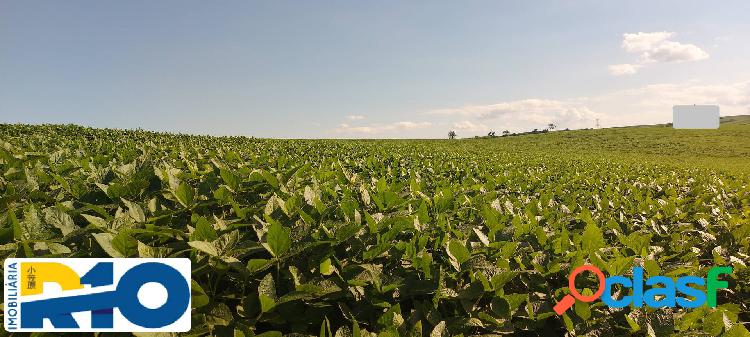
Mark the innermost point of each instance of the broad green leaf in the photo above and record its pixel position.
(483, 238)
(94, 220)
(270, 334)
(135, 211)
(278, 240)
(231, 179)
(125, 244)
(457, 251)
(737, 330)
(203, 231)
(582, 310)
(60, 219)
(255, 265)
(713, 323)
(416, 330)
(105, 241)
(325, 267)
(267, 293)
(440, 330)
(592, 238)
(16, 225)
(568, 323)
(198, 295)
(205, 247)
(184, 194)
(218, 314)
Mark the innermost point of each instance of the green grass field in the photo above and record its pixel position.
(726, 149)
(395, 237)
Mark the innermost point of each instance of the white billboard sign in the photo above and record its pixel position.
(695, 117)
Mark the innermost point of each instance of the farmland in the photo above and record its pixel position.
(395, 237)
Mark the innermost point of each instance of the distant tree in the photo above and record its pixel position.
(491, 134)
(506, 132)
(535, 131)
(551, 126)
(452, 134)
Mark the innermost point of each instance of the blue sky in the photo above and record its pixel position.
(375, 69)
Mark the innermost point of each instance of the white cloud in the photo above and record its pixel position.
(469, 126)
(528, 113)
(653, 103)
(671, 51)
(640, 42)
(375, 129)
(410, 125)
(649, 104)
(655, 47)
(624, 69)
(355, 117)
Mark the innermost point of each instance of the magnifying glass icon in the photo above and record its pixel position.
(570, 299)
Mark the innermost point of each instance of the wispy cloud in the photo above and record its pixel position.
(624, 69)
(655, 47)
(652, 103)
(377, 129)
(355, 117)
(647, 104)
(528, 112)
(469, 126)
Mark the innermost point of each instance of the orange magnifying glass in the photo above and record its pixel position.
(570, 299)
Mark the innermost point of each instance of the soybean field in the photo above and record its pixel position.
(395, 237)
